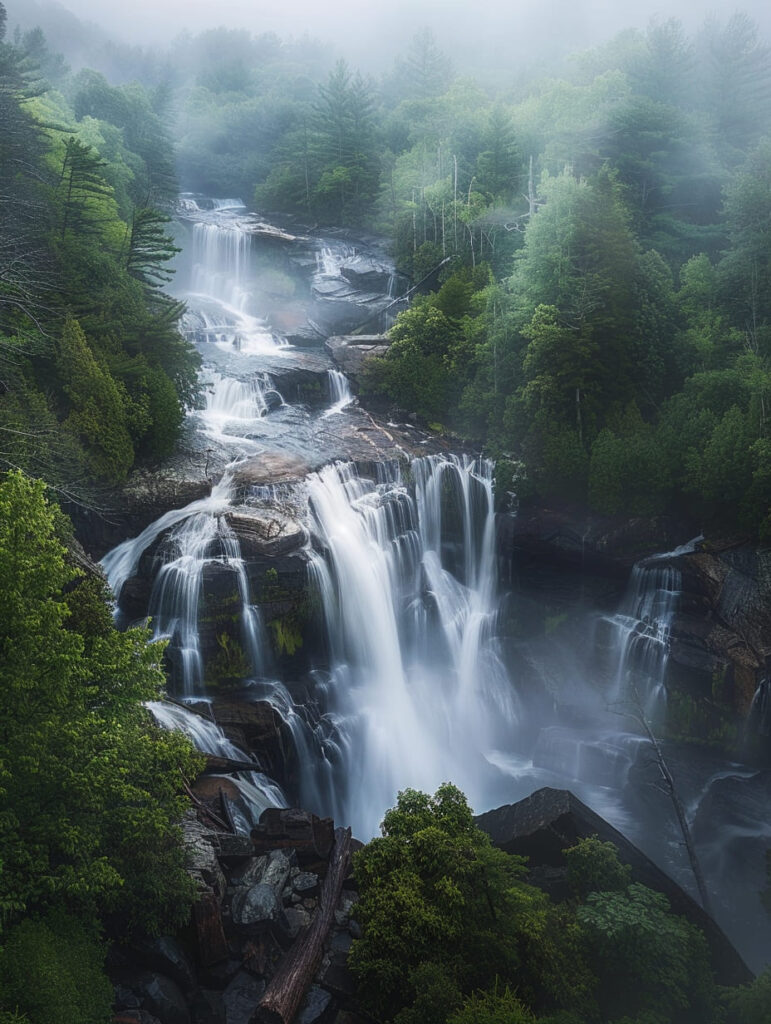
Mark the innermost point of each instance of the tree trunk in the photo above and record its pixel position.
(287, 988)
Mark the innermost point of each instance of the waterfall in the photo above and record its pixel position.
(339, 392)
(233, 406)
(639, 635)
(191, 539)
(221, 262)
(329, 260)
(417, 689)
(257, 790)
(759, 718)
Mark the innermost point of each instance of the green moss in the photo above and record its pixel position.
(230, 666)
(287, 634)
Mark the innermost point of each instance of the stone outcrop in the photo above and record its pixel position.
(543, 825)
(252, 906)
(351, 351)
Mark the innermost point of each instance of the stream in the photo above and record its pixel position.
(345, 572)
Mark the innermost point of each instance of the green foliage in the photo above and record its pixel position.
(593, 866)
(51, 972)
(492, 1008)
(442, 911)
(750, 1004)
(648, 960)
(90, 787)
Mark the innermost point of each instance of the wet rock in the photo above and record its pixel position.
(250, 873)
(318, 1007)
(351, 351)
(162, 997)
(265, 532)
(345, 905)
(271, 468)
(219, 975)
(255, 909)
(541, 826)
(241, 996)
(201, 849)
(367, 274)
(291, 828)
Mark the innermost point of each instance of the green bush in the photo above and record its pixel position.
(51, 972)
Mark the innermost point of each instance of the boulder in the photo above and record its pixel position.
(271, 468)
(318, 1007)
(165, 956)
(161, 997)
(201, 848)
(310, 837)
(241, 996)
(351, 351)
(265, 532)
(257, 908)
(276, 871)
(368, 274)
(543, 825)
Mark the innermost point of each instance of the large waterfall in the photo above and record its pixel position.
(406, 575)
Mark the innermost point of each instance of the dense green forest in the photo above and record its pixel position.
(94, 371)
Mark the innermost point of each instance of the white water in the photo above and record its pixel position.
(417, 690)
(256, 789)
(640, 633)
(234, 407)
(339, 392)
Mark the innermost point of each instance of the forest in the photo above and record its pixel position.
(586, 245)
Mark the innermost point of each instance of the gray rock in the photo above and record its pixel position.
(161, 997)
(306, 883)
(297, 919)
(241, 996)
(351, 351)
(277, 871)
(256, 908)
(165, 955)
(201, 846)
(250, 873)
(318, 1008)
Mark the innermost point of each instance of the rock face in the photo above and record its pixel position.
(367, 274)
(252, 906)
(351, 351)
(541, 826)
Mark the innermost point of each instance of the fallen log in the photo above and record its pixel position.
(288, 986)
(218, 765)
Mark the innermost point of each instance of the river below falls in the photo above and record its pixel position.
(420, 668)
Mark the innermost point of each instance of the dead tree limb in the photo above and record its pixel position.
(637, 713)
(287, 988)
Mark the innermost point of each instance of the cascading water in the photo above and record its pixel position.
(339, 392)
(417, 690)
(256, 790)
(233, 406)
(640, 635)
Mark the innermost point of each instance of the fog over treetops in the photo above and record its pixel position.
(488, 37)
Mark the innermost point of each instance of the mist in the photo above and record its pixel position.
(488, 38)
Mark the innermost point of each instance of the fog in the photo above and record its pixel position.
(488, 34)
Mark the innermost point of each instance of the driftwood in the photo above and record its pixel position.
(287, 988)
